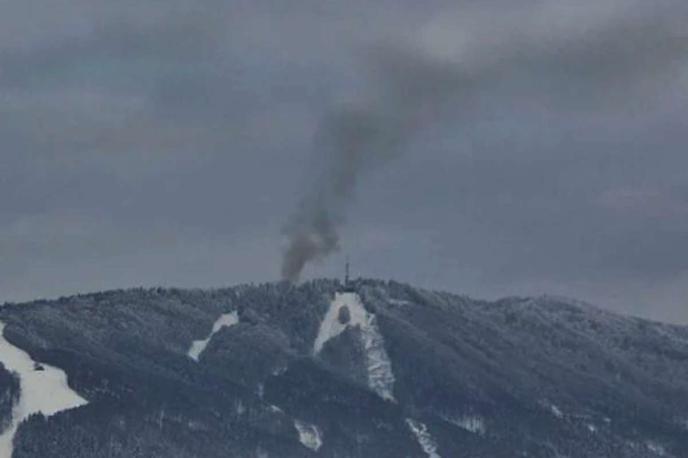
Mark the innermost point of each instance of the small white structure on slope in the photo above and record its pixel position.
(226, 320)
(378, 366)
(43, 390)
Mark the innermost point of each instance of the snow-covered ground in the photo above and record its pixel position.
(656, 448)
(331, 327)
(378, 365)
(471, 423)
(226, 320)
(309, 435)
(426, 441)
(556, 411)
(44, 391)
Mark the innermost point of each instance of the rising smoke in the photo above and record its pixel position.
(351, 141)
(355, 139)
(602, 46)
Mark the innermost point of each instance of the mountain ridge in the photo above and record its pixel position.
(514, 377)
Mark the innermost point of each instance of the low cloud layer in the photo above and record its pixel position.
(433, 75)
(482, 147)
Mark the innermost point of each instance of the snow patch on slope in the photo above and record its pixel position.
(198, 346)
(552, 408)
(331, 327)
(471, 423)
(378, 365)
(45, 391)
(395, 301)
(425, 440)
(656, 448)
(309, 435)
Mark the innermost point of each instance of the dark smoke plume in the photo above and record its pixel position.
(607, 44)
(410, 88)
(354, 140)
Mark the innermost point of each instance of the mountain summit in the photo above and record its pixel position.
(377, 369)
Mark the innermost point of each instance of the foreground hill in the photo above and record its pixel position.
(384, 370)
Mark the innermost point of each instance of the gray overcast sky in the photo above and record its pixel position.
(166, 143)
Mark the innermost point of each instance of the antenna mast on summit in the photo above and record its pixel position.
(346, 275)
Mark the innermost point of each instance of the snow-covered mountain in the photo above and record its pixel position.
(380, 370)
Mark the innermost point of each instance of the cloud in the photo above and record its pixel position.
(546, 145)
(458, 58)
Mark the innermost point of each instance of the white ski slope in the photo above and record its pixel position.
(378, 365)
(43, 391)
(309, 435)
(198, 346)
(425, 440)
